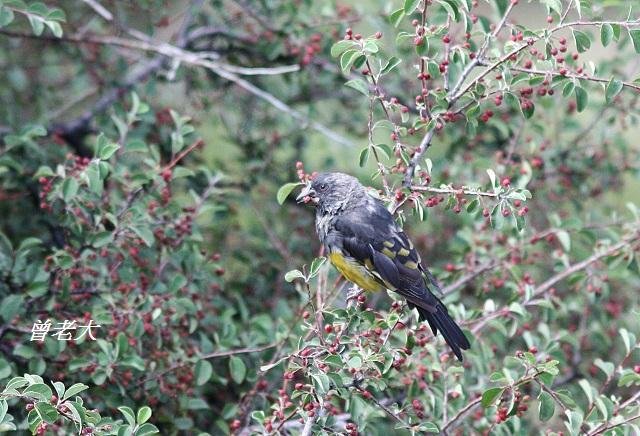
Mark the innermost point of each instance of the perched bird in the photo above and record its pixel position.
(369, 249)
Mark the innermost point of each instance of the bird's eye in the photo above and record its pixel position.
(323, 187)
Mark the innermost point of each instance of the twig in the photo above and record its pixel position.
(99, 9)
(182, 154)
(144, 43)
(545, 286)
(460, 191)
(469, 277)
(598, 430)
(461, 413)
(306, 431)
(213, 355)
(571, 76)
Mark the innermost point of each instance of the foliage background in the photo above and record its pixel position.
(142, 147)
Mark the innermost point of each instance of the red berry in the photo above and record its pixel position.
(328, 328)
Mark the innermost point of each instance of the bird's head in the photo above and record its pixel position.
(329, 189)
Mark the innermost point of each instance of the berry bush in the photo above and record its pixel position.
(148, 151)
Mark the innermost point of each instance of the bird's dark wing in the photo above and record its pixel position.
(370, 235)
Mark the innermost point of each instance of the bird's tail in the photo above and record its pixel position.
(439, 320)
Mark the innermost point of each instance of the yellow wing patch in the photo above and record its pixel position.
(355, 272)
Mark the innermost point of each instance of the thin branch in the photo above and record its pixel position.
(213, 355)
(598, 431)
(456, 191)
(633, 86)
(99, 9)
(182, 155)
(187, 57)
(260, 71)
(480, 55)
(308, 426)
(471, 405)
(545, 286)
(469, 277)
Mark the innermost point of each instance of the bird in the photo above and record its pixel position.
(366, 245)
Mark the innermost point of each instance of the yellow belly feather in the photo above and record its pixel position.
(355, 272)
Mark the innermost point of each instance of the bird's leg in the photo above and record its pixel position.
(353, 294)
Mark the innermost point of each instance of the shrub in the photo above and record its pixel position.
(213, 307)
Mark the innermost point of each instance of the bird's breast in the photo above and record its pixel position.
(355, 272)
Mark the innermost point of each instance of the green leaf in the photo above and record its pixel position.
(34, 420)
(553, 5)
(371, 46)
(47, 411)
(237, 369)
(628, 338)
(74, 390)
(292, 275)
(473, 205)
(396, 17)
(612, 89)
(359, 85)
(606, 34)
(145, 234)
(629, 378)
(17, 383)
(568, 88)
(564, 239)
(285, 190)
(69, 188)
(147, 429)
(410, 6)
(581, 98)
(492, 177)
(635, 38)
(451, 8)
(39, 391)
(364, 156)
(547, 406)
(94, 180)
(144, 413)
(582, 40)
(128, 414)
(11, 306)
(341, 46)
(5, 370)
(203, 372)
(390, 65)
(606, 367)
(59, 387)
(108, 151)
(6, 17)
(315, 265)
(4, 407)
(36, 24)
(428, 427)
(347, 59)
(490, 396)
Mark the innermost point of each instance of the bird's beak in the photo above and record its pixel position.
(307, 195)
